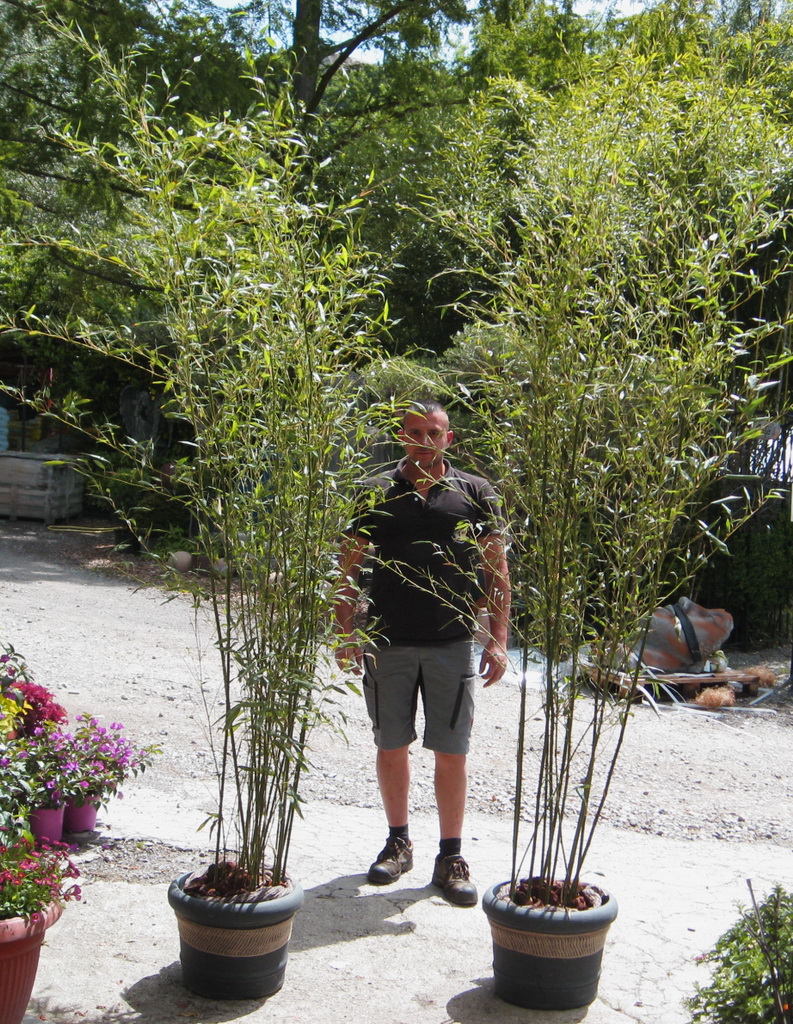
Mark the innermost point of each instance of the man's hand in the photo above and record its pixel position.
(493, 663)
(494, 660)
(349, 653)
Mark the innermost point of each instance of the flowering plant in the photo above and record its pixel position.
(12, 672)
(40, 706)
(10, 713)
(32, 879)
(49, 775)
(84, 766)
(35, 705)
(12, 667)
(15, 788)
(45, 766)
(101, 758)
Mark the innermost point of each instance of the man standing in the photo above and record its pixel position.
(439, 555)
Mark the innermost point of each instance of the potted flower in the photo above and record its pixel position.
(11, 712)
(15, 789)
(34, 886)
(12, 673)
(24, 704)
(97, 760)
(60, 772)
(13, 669)
(40, 706)
(48, 778)
(68, 775)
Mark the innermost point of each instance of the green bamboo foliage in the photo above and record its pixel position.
(254, 355)
(623, 354)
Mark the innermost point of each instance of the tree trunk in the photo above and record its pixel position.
(308, 17)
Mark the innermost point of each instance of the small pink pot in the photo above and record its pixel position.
(80, 819)
(46, 823)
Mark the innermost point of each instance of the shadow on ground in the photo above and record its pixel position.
(341, 911)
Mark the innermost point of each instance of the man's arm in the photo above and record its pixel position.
(498, 595)
(349, 653)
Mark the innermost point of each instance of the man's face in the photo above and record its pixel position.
(426, 438)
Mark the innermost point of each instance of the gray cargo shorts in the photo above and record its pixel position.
(445, 677)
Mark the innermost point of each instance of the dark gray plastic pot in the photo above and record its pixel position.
(233, 950)
(546, 959)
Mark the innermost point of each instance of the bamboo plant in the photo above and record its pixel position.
(251, 349)
(615, 364)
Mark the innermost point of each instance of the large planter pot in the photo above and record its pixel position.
(233, 950)
(46, 824)
(547, 959)
(20, 945)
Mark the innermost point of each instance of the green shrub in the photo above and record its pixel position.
(753, 973)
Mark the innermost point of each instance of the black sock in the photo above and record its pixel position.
(399, 832)
(451, 847)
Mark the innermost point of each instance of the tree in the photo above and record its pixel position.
(543, 44)
(48, 79)
(396, 28)
(42, 186)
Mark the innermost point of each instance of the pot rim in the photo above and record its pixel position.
(563, 920)
(222, 913)
(12, 929)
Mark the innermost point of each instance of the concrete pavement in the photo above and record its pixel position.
(359, 954)
(396, 955)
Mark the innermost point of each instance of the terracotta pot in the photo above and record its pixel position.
(233, 950)
(80, 819)
(548, 958)
(46, 823)
(20, 945)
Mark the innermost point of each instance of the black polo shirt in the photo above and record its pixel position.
(426, 576)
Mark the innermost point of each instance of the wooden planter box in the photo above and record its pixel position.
(31, 489)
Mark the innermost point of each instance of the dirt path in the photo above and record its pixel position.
(131, 655)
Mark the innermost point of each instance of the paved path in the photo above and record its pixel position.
(399, 955)
(359, 954)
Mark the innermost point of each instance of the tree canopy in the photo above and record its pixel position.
(374, 88)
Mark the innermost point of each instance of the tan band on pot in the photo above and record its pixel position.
(233, 941)
(553, 947)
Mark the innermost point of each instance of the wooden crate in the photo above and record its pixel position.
(32, 489)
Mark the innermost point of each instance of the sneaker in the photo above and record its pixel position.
(451, 874)
(393, 860)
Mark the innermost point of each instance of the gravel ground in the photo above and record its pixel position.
(684, 773)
